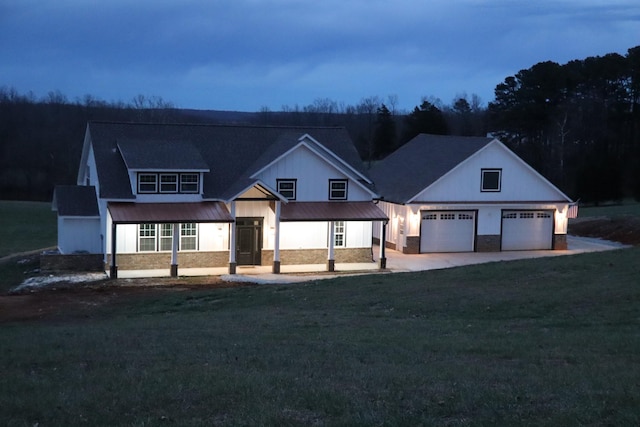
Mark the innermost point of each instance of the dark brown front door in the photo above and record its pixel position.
(248, 241)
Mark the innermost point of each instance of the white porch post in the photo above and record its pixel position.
(232, 240)
(276, 242)
(331, 262)
(175, 240)
(382, 261)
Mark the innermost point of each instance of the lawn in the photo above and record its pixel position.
(26, 226)
(627, 207)
(539, 342)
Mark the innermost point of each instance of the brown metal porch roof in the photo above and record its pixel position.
(331, 211)
(138, 213)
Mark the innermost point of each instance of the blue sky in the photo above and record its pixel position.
(248, 54)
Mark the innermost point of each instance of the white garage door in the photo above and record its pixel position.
(527, 230)
(450, 231)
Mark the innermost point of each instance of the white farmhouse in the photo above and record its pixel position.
(154, 196)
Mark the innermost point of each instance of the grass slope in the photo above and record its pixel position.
(26, 226)
(539, 342)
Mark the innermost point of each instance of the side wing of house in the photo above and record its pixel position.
(491, 201)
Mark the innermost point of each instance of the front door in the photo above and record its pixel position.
(248, 241)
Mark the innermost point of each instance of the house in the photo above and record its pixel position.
(152, 196)
(465, 194)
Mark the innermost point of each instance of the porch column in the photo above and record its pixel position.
(113, 270)
(175, 239)
(382, 261)
(232, 240)
(276, 241)
(331, 262)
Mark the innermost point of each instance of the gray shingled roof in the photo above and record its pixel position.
(161, 155)
(75, 200)
(232, 153)
(420, 162)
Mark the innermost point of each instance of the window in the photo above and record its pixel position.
(168, 183)
(147, 183)
(189, 182)
(447, 216)
(287, 187)
(147, 238)
(338, 233)
(166, 237)
(159, 237)
(337, 189)
(188, 237)
(491, 179)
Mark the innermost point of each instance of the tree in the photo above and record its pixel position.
(384, 135)
(424, 119)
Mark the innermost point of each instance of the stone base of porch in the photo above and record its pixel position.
(318, 256)
(160, 260)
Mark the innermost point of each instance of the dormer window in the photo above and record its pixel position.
(189, 182)
(167, 183)
(147, 183)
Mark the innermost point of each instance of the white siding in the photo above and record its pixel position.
(303, 235)
(312, 173)
(519, 182)
(79, 235)
(358, 234)
(213, 237)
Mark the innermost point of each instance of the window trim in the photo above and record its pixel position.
(156, 231)
(483, 189)
(182, 183)
(332, 195)
(140, 183)
(292, 181)
(174, 184)
(340, 225)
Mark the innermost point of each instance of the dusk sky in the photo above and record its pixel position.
(248, 54)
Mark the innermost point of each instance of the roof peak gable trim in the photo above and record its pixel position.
(531, 169)
(317, 148)
(258, 183)
(452, 170)
(505, 149)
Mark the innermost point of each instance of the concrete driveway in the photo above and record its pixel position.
(396, 262)
(399, 262)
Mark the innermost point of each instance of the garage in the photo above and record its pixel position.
(527, 230)
(447, 231)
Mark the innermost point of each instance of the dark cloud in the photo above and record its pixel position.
(244, 54)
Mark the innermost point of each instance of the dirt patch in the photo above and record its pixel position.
(72, 302)
(623, 229)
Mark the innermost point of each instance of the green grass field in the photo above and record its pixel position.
(539, 342)
(628, 207)
(26, 226)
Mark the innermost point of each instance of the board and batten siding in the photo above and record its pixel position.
(312, 174)
(518, 182)
(79, 235)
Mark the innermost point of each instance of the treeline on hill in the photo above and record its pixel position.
(578, 124)
(41, 139)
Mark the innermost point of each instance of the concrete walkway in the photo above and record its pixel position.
(396, 262)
